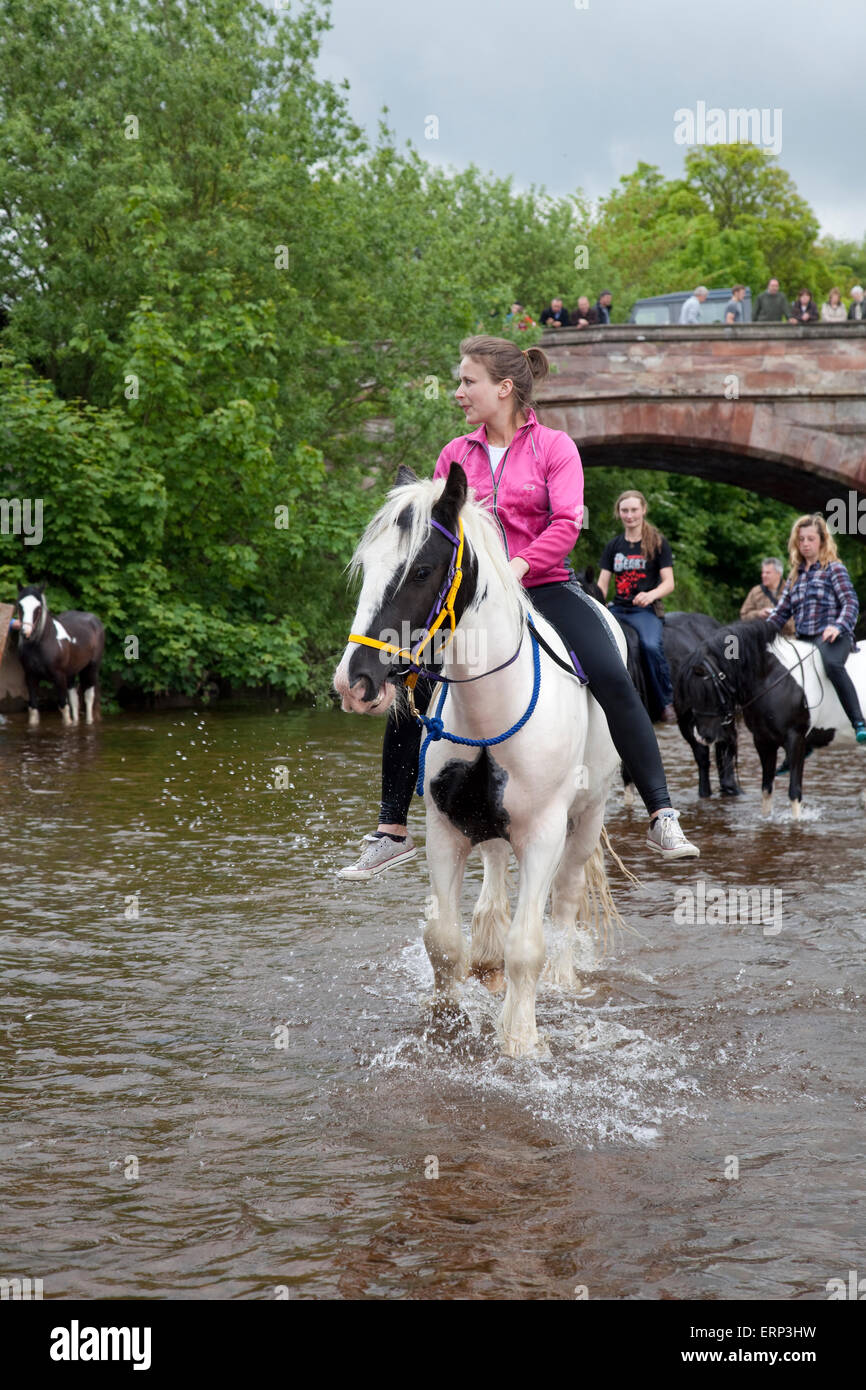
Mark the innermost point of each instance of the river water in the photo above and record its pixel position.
(218, 1081)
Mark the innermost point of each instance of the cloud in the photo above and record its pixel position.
(570, 98)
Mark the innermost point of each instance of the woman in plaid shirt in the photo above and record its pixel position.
(821, 599)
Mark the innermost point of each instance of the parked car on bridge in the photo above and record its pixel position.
(665, 308)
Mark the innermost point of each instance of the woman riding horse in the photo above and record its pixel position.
(821, 599)
(641, 562)
(533, 479)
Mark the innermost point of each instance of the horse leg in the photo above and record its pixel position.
(32, 699)
(447, 852)
(88, 687)
(490, 918)
(62, 691)
(569, 889)
(73, 701)
(524, 945)
(702, 758)
(795, 747)
(766, 749)
(726, 766)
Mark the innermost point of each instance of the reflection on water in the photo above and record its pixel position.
(217, 1078)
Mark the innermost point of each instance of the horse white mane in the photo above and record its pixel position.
(479, 528)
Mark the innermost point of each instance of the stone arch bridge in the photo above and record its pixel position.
(778, 409)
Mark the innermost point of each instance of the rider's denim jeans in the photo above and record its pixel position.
(650, 630)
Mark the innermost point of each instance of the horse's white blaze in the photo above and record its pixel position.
(379, 569)
(28, 606)
(807, 668)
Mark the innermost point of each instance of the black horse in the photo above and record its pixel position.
(59, 650)
(735, 670)
(683, 634)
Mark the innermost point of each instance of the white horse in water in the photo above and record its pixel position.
(540, 792)
(804, 663)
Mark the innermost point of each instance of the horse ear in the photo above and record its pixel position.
(405, 475)
(451, 502)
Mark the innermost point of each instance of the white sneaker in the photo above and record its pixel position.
(666, 838)
(380, 852)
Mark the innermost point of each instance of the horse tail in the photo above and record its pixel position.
(597, 910)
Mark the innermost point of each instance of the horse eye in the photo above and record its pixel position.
(421, 573)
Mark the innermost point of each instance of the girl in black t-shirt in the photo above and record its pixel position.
(641, 563)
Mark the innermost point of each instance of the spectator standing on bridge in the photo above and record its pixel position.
(641, 562)
(761, 600)
(555, 316)
(603, 306)
(857, 307)
(804, 309)
(834, 310)
(771, 306)
(821, 599)
(734, 306)
(584, 316)
(691, 310)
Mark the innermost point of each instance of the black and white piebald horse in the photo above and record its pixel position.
(537, 760)
(736, 671)
(61, 650)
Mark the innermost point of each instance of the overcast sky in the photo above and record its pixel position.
(568, 97)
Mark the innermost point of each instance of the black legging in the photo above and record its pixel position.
(835, 654)
(584, 632)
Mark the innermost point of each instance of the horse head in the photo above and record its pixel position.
(408, 558)
(32, 611)
(705, 690)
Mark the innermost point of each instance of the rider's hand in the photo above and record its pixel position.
(520, 566)
(765, 612)
(641, 600)
(830, 633)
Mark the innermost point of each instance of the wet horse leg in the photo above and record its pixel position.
(490, 917)
(524, 945)
(447, 852)
(568, 892)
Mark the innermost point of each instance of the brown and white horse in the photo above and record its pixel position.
(59, 650)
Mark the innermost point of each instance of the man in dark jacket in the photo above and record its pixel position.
(584, 316)
(555, 316)
(771, 306)
(603, 306)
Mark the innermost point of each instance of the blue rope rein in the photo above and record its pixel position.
(436, 730)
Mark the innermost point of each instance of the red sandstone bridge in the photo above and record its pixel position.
(778, 409)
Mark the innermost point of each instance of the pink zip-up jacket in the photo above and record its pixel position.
(536, 494)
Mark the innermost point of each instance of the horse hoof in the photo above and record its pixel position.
(492, 978)
(535, 1046)
(32, 717)
(796, 807)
